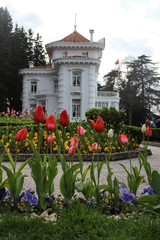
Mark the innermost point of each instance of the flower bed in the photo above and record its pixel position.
(86, 157)
(114, 195)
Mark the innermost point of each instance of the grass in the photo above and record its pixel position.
(78, 221)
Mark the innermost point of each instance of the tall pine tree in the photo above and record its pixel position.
(17, 48)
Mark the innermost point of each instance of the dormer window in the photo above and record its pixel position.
(33, 86)
(76, 79)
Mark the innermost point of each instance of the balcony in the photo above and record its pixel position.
(107, 94)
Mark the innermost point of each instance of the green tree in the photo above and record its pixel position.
(39, 53)
(19, 43)
(5, 54)
(139, 90)
(111, 80)
(17, 48)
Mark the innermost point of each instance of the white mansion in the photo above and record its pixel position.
(70, 82)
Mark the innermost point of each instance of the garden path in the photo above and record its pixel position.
(118, 171)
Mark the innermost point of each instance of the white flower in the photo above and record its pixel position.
(143, 129)
(110, 133)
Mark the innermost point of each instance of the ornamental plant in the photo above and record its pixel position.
(51, 123)
(99, 125)
(15, 179)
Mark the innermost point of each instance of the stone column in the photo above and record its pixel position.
(25, 95)
(92, 83)
(61, 89)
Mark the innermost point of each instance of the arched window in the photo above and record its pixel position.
(76, 79)
(33, 86)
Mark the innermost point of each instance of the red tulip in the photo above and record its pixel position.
(21, 135)
(81, 131)
(74, 142)
(49, 139)
(51, 123)
(99, 126)
(123, 139)
(64, 120)
(95, 147)
(148, 132)
(71, 151)
(39, 115)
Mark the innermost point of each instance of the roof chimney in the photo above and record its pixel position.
(31, 64)
(91, 35)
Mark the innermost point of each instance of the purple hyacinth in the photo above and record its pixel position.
(127, 196)
(150, 191)
(121, 187)
(29, 196)
(50, 199)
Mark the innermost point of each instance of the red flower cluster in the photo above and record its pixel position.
(49, 139)
(81, 131)
(94, 147)
(71, 151)
(123, 139)
(74, 142)
(148, 132)
(64, 120)
(39, 115)
(51, 123)
(21, 135)
(99, 126)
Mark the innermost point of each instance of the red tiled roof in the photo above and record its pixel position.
(74, 37)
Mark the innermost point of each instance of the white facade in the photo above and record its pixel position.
(70, 82)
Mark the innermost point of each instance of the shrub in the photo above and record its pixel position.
(112, 117)
(133, 131)
(92, 114)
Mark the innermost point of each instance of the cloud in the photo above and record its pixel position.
(134, 47)
(32, 19)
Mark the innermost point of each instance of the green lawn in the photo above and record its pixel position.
(80, 222)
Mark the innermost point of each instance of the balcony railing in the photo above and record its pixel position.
(107, 94)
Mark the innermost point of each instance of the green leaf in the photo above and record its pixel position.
(148, 198)
(136, 172)
(2, 157)
(11, 181)
(85, 173)
(125, 169)
(19, 184)
(35, 153)
(92, 174)
(52, 172)
(11, 160)
(155, 184)
(67, 184)
(116, 189)
(136, 182)
(76, 167)
(63, 163)
(42, 201)
(157, 207)
(86, 188)
(22, 166)
(100, 168)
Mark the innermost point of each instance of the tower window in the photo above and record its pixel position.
(76, 108)
(76, 79)
(33, 86)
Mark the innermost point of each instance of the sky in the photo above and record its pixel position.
(131, 28)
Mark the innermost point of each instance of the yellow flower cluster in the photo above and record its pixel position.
(85, 143)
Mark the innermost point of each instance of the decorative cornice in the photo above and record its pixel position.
(76, 61)
(36, 71)
(65, 45)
